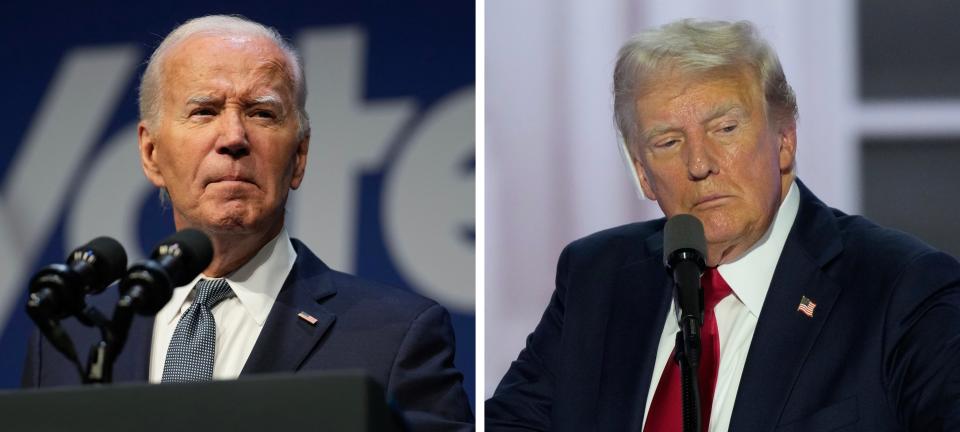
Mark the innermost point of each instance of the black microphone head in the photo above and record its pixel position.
(683, 234)
(57, 290)
(179, 258)
(99, 262)
(191, 249)
(53, 293)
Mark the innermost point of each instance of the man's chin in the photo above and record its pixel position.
(234, 218)
(232, 223)
(226, 220)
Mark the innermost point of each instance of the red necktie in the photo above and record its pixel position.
(666, 407)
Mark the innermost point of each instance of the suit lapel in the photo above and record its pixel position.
(784, 336)
(287, 338)
(641, 302)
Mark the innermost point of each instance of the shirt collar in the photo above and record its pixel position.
(256, 284)
(749, 276)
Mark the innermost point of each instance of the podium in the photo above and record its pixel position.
(330, 401)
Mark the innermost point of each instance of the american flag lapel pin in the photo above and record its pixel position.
(313, 321)
(806, 306)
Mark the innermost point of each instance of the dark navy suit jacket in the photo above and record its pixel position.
(403, 341)
(881, 352)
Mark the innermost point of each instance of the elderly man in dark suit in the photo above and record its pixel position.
(814, 320)
(224, 135)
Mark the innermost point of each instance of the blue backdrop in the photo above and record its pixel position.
(389, 188)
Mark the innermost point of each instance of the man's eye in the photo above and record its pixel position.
(203, 112)
(667, 143)
(728, 128)
(264, 114)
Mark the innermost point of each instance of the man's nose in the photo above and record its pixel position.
(233, 140)
(701, 160)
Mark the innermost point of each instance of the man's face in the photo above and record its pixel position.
(705, 147)
(225, 144)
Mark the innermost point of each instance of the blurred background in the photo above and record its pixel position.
(879, 128)
(389, 190)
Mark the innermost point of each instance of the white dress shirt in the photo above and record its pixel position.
(749, 277)
(239, 318)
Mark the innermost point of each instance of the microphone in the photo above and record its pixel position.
(148, 285)
(57, 290)
(684, 249)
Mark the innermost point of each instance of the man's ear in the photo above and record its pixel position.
(787, 140)
(300, 162)
(642, 176)
(148, 155)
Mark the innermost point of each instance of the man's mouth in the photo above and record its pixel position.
(231, 179)
(711, 200)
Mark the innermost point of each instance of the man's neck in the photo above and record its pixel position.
(232, 249)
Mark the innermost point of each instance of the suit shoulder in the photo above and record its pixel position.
(622, 240)
(357, 294)
(891, 257)
(387, 302)
(370, 288)
(879, 243)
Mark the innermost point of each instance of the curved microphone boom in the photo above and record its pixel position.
(148, 285)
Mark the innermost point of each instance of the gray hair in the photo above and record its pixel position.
(697, 46)
(151, 83)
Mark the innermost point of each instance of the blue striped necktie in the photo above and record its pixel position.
(193, 345)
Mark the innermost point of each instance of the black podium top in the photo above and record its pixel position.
(332, 401)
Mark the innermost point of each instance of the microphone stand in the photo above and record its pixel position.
(122, 319)
(689, 298)
(114, 333)
(687, 355)
(101, 357)
(99, 361)
(103, 354)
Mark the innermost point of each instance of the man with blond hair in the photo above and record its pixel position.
(813, 320)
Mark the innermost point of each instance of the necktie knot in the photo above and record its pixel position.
(714, 288)
(210, 292)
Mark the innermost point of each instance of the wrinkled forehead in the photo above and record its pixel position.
(235, 63)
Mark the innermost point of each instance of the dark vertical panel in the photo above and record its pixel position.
(907, 49)
(914, 185)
